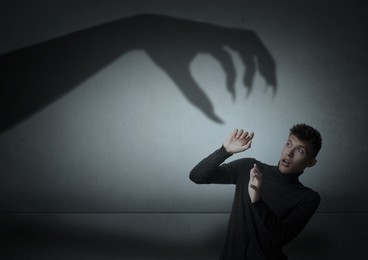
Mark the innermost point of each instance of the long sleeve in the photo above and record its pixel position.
(258, 230)
(210, 170)
(284, 230)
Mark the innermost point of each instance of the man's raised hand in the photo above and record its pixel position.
(255, 184)
(238, 141)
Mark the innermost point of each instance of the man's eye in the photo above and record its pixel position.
(301, 150)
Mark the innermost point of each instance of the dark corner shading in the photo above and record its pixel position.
(48, 237)
(33, 77)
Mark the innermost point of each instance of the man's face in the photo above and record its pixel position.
(295, 156)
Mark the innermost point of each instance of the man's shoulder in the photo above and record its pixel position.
(242, 165)
(311, 195)
(243, 162)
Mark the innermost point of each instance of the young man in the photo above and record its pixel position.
(271, 207)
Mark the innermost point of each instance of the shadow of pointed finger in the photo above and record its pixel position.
(191, 90)
(255, 57)
(250, 71)
(226, 62)
(266, 65)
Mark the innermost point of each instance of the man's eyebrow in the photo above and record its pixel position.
(300, 145)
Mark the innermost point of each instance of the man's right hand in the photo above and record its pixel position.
(238, 141)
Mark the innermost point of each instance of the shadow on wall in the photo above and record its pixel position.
(33, 77)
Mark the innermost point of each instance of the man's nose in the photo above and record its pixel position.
(290, 152)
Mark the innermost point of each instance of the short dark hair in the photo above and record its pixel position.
(308, 134)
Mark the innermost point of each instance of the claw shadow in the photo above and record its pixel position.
(33, 77)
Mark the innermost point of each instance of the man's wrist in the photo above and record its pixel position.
(254, 200)
(227, 150)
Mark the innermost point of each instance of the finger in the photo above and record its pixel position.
(258, 177)
(227, 64)
(249, 145)
(256, 170)
(254, 167)
(234, 133)
(267, 67)
(248, 140)
(250, 71)
(240, 132)
(257, 173)
(254, 187)
(250, 136)
(244, 135)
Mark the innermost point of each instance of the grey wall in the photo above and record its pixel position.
(104, 116)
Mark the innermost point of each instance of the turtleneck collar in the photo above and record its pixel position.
(287, 177)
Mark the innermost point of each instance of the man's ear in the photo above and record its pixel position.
(312, 163)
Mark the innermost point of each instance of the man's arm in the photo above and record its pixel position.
(284, 231)
(209, 170)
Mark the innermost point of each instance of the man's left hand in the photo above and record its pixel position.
(255, 184)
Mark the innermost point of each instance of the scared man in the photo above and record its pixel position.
(271, 207)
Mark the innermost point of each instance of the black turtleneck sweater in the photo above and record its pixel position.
(258, 230)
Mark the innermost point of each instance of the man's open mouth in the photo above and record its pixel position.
(285, 162)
